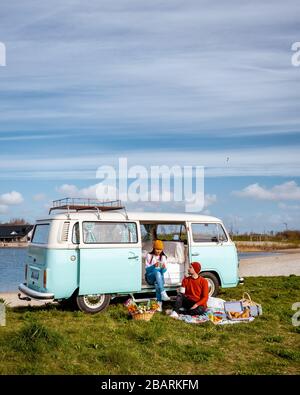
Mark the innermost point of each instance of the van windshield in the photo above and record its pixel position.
(208, 233)
(41, 234)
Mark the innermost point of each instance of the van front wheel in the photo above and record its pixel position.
(93, 303)
(213, 283)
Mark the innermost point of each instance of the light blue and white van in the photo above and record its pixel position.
(92, 252)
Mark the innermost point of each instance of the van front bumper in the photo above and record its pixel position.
(35, 294)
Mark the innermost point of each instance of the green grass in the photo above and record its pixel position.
(51, 340)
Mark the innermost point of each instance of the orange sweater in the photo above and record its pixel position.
(196, 289)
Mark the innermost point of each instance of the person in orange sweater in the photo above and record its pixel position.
(194, 293)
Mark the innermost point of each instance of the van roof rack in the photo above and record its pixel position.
(80, 204)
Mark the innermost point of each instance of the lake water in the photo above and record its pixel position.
(12, 266)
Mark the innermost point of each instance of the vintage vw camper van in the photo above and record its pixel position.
(91, 252)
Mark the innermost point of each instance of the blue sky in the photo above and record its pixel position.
(161, 82)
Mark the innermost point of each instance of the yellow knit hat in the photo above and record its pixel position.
(158, 245)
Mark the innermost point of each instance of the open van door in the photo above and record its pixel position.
(110, 258)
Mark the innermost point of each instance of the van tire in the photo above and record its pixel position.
(93, 304)
(213, 282)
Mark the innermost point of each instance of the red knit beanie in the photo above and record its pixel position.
(196, 266)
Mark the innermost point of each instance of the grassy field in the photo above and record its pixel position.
(51, 340)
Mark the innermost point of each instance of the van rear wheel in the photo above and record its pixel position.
(213, 283)
(93, 303)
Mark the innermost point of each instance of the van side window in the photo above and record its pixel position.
(75, 234)
(205, 233)
(109, 232)
(41, 234)
(174, 232)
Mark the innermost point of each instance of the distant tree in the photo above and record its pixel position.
(289, 235)
(17, 221)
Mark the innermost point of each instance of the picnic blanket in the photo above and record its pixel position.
(200, 319)
(193, 319)
(215, 313)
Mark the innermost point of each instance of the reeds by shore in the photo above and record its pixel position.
(255, 246)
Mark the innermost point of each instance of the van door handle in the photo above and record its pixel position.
(195, 254)
(133, 257)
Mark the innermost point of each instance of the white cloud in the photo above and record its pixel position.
(33, 137)
(286, 191)
(285, 206)
(11, 198)
(146, 60)
(133, 196)
(209, 200)
(254, 191)
(39, 196)
(3, 209)
(104, 192)
(96, 191)
(271, 161)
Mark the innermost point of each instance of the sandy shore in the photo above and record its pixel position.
(11, 299)
(278, 265)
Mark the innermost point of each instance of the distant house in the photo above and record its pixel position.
(14, 232)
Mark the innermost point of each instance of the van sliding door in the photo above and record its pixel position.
(110, 258)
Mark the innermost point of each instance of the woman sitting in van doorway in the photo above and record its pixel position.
(156, 266)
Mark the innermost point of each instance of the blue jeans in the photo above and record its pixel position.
(156, 277)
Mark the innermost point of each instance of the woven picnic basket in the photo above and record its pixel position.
(255, 308)
(146, 316)
(247, 301)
